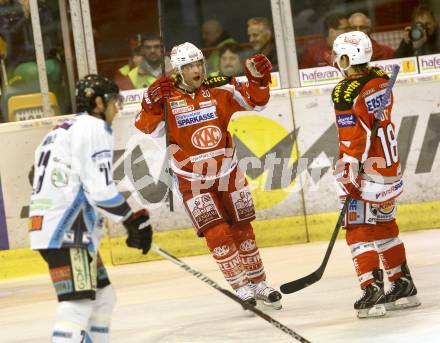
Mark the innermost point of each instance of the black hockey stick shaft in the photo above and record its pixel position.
(228, 293)
(165, 107)
(296, 285)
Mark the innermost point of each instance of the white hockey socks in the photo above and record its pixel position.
(99, 324)
(71, 321)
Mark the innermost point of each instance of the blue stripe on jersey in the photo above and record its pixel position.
(89, 216)
(113, 202)
(108, 128)
(67, 220)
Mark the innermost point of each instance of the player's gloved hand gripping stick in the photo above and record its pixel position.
(296, 285)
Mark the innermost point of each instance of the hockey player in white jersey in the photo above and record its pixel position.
(73, 190)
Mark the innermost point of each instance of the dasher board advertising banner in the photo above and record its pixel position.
(331, 75)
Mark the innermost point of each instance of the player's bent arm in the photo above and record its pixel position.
(352, 133)
(150, 116)
(148, 123)
(95, 155)
(258, 96)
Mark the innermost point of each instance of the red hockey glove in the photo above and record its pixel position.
(257, 70)
(348, 177)
(140, 233)
(160, 89)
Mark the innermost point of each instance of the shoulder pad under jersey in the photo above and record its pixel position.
(217, 81)
(344, 94)
(377, 72)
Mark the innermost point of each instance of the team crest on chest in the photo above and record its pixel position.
(207, 137)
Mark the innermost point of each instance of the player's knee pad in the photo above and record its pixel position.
(359, 233)
(386, 230)
(244, 237)
(71, 321)
(219, 235)
(99, 325)
(104, 304)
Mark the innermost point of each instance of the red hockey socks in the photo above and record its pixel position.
(244, 239)
(221, 244)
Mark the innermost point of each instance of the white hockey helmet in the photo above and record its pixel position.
(185, 53)
(356, 45)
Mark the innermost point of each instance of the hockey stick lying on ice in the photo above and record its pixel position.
(229, 294)
(296, 285)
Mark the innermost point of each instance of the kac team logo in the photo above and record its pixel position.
(207, 137)
(248, 245)
(221, 251)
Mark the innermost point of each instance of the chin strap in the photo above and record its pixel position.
(184, 87)
(179, 70)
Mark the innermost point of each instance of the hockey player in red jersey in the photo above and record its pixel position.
(371, 228)
(204, 162)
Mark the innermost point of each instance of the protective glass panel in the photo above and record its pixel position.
(127, 42)
(20, 92)
(398, 29)
(19, 73)
(227, 31)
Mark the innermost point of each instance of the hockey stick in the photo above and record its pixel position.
(229, 294)
(296, 285)
(165, 107)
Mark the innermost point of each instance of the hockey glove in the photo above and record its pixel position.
(140, 233)
(160, 89)
(257, 70)
(348, 177)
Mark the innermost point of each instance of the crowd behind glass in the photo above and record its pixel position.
(223, 45)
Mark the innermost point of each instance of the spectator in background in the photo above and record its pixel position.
(423, 38)
(149, 64)
(151, 50)
(261, 38)
(121, 76)
(214, 36)
(133, 62)
(360, 22)
(230, 60)
(318, 53)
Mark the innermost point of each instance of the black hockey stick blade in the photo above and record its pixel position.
(297, 285)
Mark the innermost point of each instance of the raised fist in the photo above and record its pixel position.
(257, 70)
(160, 89)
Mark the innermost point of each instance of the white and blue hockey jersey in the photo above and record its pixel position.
(73, 186)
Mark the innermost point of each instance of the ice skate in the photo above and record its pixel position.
(402, 293)
(371, 302)
(266, 296)
(246, 294)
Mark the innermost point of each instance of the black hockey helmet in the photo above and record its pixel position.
(92, 86)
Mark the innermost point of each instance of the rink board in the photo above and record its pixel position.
(294, 197)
